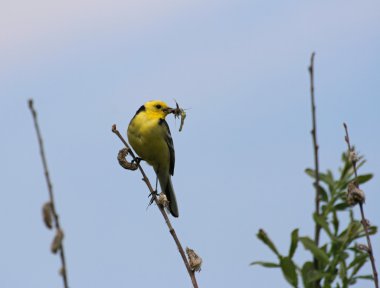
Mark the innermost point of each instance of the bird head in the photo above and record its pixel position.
(160, 108)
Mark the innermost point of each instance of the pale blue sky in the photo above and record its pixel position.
(241, 66)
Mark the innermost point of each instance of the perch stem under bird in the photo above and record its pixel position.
(160, 207)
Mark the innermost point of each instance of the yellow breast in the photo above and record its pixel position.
(148, 138)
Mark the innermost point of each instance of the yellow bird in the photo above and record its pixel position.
(149, 135)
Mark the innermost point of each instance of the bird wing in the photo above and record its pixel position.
(169, 142)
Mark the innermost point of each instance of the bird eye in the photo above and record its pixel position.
(158, 106)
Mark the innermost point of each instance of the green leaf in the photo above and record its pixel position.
(341, 185)
(364, 178)
(324, 247)
(265, 264)
(341, 206)
(361, 162)
(335, 222)
(351, 232)
(372, 230)
(359, 258)
(306, 272)
(343, 270)
(318, 253)
(326, 178)
(352, 218)
(323, 223)
(315, 275)
(329, 179)
(262, 235)
(310, 172)
(323, 194)
(358, 262)
(329, 207)
(346, 167)
(352, 281)
(293, 243)
(367, 277)
(289, 270)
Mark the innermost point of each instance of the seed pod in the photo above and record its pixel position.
(62, 271)
(354, 194)
(195, 261)
(47, 215)
(353, 156)
(363, 247)
(121, 157)
(162, 200)
(57, 241)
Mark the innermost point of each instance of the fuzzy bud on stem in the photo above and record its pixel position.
(354, 194)
(162, 200)
(47, 214)
(195, 261)
(363, 247)
(353, 156)
(57, 241)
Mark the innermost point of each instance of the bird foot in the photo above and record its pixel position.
(137, 160)
(154, 194)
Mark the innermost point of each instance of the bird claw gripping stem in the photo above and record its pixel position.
(154, 195)
(137, 160)
(121, 157)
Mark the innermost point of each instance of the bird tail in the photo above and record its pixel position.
(167, 188)
(169, 192)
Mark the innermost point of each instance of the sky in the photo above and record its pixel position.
(240, 67)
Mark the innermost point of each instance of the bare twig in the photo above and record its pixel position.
(364, 220)
(316, 160)
(160, 207)
(51, 194)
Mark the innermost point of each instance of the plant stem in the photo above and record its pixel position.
(316, 160)
(364, 220)
(164, 214)
(50, 189)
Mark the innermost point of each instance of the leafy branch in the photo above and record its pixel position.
(338, 261)
(353, 194)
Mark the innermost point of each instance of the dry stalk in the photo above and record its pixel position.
(364, 220)
(50, 205)
(160, 207)
(316, 160)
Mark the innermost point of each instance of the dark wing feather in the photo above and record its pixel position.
(169, 141)
(141, 109)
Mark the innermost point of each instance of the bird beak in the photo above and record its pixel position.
(169, 110)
